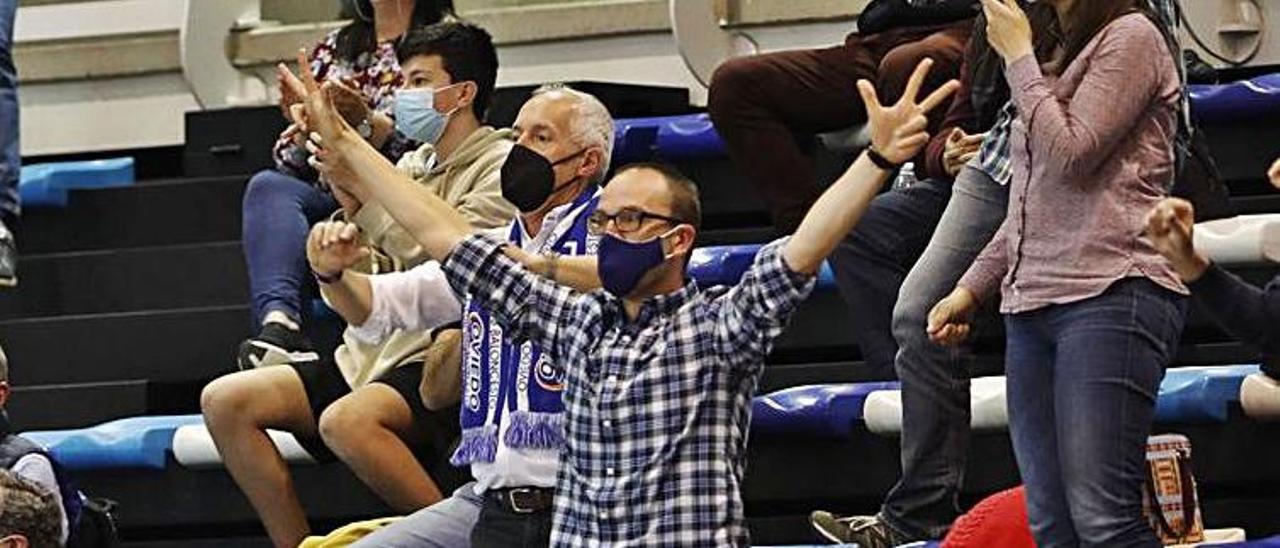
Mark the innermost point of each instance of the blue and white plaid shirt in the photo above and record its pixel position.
(657, 408)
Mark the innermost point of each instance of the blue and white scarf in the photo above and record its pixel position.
(516, 383)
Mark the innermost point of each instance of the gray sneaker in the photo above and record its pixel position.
(865, 531)
(8, 258)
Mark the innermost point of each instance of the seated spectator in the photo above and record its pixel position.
(365, 400)
(281, 204)
(659, 374)
(760, 104)
(29, 515)
(28, 461)
(512, 442)
(1245, 311)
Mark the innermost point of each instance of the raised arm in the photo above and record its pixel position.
(1124, 74)
(350, 163)
(897, 134)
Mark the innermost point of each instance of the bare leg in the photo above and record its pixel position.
(368, 430)
(238, 409)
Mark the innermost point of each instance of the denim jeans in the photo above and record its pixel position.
(445, 524)
(10, 153)
(1082, 380)
(872, 261)
(935, 380)
(278, 213)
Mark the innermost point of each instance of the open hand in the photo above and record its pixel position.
(1170, 229)
(333, 247)
(351, 104)
(959, 149)
(950, 318)
(898, 131)
(1008, 29)
(322, 114)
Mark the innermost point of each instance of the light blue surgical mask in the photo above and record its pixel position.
(416, 114)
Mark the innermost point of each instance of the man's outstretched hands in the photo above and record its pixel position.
(899, 131)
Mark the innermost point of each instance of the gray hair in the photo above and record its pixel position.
(592, 125)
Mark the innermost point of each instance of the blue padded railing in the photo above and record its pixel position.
(1237, 100)
(136, 442)
(49, 185)
(1200, 394)
(820, 410)
(724, 265)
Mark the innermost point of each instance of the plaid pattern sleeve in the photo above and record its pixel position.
(753, 313)
(994, 156)
(532, 307)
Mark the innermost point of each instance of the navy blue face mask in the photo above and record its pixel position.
(621, 264)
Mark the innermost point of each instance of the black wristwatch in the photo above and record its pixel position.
(880, 161)
(328, 279)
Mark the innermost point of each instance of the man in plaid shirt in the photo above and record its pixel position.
(660, 373)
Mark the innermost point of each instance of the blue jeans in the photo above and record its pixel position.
(935, 379)
(872, 261)
(10, 153)
(1082, 380)
(278, 213)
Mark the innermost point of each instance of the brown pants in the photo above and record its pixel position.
(762, 104)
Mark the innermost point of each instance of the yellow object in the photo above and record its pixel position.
(347, 535)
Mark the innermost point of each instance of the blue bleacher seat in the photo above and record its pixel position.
(820, 410)
(666, 137)
(136, 442)
(1237, 100)
(47, 185)
(724, 265)
(1200, 394)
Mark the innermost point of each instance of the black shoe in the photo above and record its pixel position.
(8, 258)
(864, 531)
(275, 345)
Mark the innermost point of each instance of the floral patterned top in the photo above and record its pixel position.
(377, 76)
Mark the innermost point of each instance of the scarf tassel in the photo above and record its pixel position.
(530, 430)
(477, 445)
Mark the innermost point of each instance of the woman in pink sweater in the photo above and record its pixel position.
(1092, 311)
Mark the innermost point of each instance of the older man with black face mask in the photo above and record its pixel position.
(659, 374)
(511, 413)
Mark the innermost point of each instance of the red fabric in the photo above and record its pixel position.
(999, 520)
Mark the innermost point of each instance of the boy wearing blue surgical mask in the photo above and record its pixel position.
(362, 404)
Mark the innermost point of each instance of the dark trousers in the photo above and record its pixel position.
(278, 212)
(1083, 379)
(10, 153)
(499, 527)
(872, 261)
(768, 107)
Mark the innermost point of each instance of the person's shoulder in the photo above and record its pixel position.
(1135, 24)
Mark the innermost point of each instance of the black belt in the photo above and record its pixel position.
(523, 500)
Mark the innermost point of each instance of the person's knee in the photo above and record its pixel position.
(226, 400)
(897, 65)
(265, 187)
(342, 423)
(729, 83)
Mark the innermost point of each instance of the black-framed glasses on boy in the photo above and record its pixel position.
(626, 220)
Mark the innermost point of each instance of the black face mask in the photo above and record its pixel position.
(528, 178)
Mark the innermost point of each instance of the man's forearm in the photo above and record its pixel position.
(576, 272)
(351, 297)
(835, 213)
(427, 218)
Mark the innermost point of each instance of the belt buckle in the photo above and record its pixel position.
(517, 493)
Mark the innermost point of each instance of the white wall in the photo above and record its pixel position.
(123, 113)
